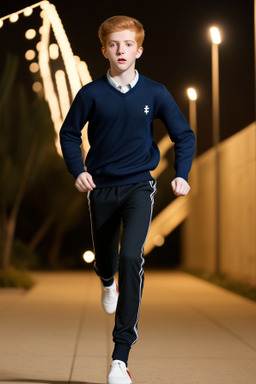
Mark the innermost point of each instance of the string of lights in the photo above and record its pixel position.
(59, 86)
(13, 17)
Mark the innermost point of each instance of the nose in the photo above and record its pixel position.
(120, 49)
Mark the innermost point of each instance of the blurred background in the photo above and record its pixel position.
(44, 221)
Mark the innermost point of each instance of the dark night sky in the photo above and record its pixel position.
(177, 50)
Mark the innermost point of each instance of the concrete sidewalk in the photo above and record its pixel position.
(190, 332)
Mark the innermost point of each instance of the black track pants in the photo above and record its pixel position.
(126, 209)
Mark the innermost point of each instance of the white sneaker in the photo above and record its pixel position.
(119, 373)
(109, 297)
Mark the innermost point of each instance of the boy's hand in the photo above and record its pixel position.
(84, 182)
(180, 187)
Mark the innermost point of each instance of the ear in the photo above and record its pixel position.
(104, 52)
(139, 52)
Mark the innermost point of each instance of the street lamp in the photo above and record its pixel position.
(192, 95)
(216, 40)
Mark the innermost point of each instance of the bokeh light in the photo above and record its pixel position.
(28, 11)
(37, 86)
(30, 34)
(14, 17)
(54, 51)
(30, 54)
(88, 256)
(34, 67)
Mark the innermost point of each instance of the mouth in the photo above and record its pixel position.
(121, 60)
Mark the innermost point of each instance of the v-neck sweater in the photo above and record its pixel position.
(120, 132)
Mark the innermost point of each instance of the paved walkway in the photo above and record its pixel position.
(190, 332)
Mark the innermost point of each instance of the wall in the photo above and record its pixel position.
(237, 220)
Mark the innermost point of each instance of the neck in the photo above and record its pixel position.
(123, 78)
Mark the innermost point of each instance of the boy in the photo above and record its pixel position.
(120, 108)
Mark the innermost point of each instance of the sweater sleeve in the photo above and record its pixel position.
(70, 135)
(180, 133)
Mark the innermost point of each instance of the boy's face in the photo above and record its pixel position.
(122, 51)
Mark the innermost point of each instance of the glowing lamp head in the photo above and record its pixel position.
(215, 35)
(192, 95)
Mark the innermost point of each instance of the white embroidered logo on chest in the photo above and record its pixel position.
(146, 109)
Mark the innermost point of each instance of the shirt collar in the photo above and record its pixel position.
(118, 86)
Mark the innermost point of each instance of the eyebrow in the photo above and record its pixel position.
(117, 41)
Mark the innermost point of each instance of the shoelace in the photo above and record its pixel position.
(122, 366)
(118, 364)
(108, 293)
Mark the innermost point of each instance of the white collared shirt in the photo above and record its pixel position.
(123, 88)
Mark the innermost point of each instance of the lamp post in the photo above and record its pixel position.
(216, 40)
(192, 96)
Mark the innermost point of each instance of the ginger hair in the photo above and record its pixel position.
(121, 23)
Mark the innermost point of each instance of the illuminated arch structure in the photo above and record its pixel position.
(60, 89)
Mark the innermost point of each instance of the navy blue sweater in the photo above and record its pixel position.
(120, 132)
